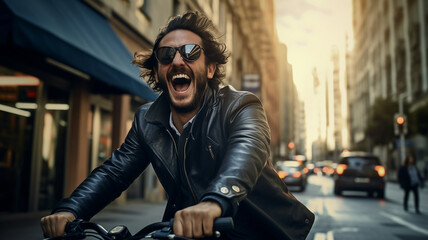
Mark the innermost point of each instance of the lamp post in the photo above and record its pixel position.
(402, 132)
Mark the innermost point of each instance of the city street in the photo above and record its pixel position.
(351, 216)
(356, 216)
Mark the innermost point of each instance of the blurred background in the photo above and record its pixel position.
(334, 76)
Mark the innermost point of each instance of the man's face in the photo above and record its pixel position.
(185, 81)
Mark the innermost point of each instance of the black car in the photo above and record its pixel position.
(358, 171)
(292, 173)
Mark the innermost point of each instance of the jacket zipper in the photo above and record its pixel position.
(185, 172)
(184, 164)
(173, 140)
(211, 151)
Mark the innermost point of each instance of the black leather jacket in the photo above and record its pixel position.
(233, 162)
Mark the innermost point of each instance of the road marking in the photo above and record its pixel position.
(319, 236)
(330, 235)
(404, 223)
(316, 205)
(347, 229)
(324, 236)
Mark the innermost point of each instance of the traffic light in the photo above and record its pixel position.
(400, 124)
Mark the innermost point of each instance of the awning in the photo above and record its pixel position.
(74, 34)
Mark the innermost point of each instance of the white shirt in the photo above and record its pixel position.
(171, 124)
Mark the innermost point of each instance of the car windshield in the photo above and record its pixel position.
(361, 162)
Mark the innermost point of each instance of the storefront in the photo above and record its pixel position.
(63, 73)
(34, 118)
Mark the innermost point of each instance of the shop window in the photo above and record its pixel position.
(104, 150)
(100, 131)
(18, 94)
(54, 132)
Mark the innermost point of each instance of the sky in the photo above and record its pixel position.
(310, 29)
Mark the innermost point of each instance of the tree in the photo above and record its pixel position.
(380, 123)
(419, 120)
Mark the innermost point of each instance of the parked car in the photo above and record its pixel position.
(292, 173)
(359, 171)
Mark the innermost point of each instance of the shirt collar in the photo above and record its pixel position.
(171, 123)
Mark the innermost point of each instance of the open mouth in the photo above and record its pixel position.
(181, 82)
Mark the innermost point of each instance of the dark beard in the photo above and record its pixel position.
(186, 109)
(201, 85)
(197, 100)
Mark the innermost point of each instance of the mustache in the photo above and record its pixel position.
(178, 70)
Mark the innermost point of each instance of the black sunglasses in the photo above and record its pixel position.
(189, 52)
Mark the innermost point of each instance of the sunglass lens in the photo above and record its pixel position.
(165, 55)
(190, 52)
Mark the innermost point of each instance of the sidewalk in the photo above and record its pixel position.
(134, 215)
(396, 194)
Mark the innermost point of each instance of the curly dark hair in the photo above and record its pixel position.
(199, 24)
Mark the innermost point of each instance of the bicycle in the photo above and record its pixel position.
(80, 229)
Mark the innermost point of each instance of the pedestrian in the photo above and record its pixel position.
(208, 143)
(410, 180)
(426, 168)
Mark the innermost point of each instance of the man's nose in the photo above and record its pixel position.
(178, 59)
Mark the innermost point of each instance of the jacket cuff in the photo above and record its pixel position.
(227, 207)
(65, 210)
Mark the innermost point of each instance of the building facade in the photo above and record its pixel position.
(336, 118)
(389, 59)
(292, 121)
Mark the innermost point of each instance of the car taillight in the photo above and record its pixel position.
(282, 174)
(305, 170)
(297, 174)
(380, 170)
(341, 168)
(325, 170)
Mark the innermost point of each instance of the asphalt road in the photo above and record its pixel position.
(357, 216)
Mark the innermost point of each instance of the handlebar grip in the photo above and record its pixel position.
(74, 226)
(223, 224)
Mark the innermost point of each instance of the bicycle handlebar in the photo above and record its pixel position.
(79, 229)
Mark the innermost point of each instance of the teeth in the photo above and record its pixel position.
(180, 76)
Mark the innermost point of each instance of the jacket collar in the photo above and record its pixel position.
(158, 112)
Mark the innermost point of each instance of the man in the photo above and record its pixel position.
(208, 146)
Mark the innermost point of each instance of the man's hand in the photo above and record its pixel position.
(54, 225)
(196, 221)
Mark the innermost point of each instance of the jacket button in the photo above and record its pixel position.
(236, 188)
(224, 190)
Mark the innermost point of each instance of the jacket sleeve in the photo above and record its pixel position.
(247, 148)
(106, 182)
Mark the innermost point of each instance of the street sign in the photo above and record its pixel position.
(251, 83)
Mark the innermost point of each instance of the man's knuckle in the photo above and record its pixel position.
(186, 214)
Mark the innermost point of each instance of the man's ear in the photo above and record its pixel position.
(211, 70)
